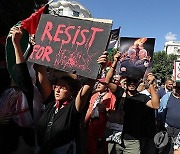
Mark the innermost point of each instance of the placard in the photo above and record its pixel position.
(137, 54)
(177, 70)
(69, 44)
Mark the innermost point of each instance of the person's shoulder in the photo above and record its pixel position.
(167, 95)
(143, 97)
(165, 99)
(126, 60)
(119, 90)
(161, 90)
(139, 60)
(145, 92)
(142, 94)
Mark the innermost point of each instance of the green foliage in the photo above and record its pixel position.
(111, 54)
(163, 64)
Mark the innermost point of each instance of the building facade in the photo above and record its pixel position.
(69, 8)
(172, 47)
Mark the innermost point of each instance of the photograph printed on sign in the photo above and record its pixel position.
(137, 54)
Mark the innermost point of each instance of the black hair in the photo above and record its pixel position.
(168, 79)
(135, 80)
(73, 83)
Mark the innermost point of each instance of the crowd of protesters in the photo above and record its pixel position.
(115, 114)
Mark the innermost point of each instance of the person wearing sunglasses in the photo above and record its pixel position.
(139, 108)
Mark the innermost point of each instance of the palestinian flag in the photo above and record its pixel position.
(29, 26)
(113, 40)
(115, 34)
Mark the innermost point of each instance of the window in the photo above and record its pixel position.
(57, 11)
(60, 11)
(75, 13)
(177, 50)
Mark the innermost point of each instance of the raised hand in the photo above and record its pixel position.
(16, 34)
(117, 56)
(103, 58)
(150, 78)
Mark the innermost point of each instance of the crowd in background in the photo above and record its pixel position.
(116, 114)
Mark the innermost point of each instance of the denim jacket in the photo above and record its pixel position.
(162, 111)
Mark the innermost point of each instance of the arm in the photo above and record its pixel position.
(154, 102)
(110, 73)
(45, 87)
(83, 94)
(86, 89)
(161, 115)
(22, 73)
(16, 33)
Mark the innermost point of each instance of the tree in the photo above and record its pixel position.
(163, 65)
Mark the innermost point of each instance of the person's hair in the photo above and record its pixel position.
(131, 51)
(73, 83)
(168, 79)
(144, 51)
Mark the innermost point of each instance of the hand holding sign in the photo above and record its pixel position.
(117, 56)
(103, 59)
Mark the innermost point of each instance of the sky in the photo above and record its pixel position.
(159, 19)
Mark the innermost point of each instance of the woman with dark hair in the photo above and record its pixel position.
(58, 124)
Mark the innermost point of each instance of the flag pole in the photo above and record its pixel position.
(50, 2)
(118, 46)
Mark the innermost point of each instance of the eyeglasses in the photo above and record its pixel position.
(61, 87)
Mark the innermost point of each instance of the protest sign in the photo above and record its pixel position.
(137, 54)
(177, 70)
(69, 44)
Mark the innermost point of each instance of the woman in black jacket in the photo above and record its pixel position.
(57, 126)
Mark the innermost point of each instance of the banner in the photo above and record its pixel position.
(69, 44)
(137, 55)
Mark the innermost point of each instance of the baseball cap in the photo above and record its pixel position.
(102, 80)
